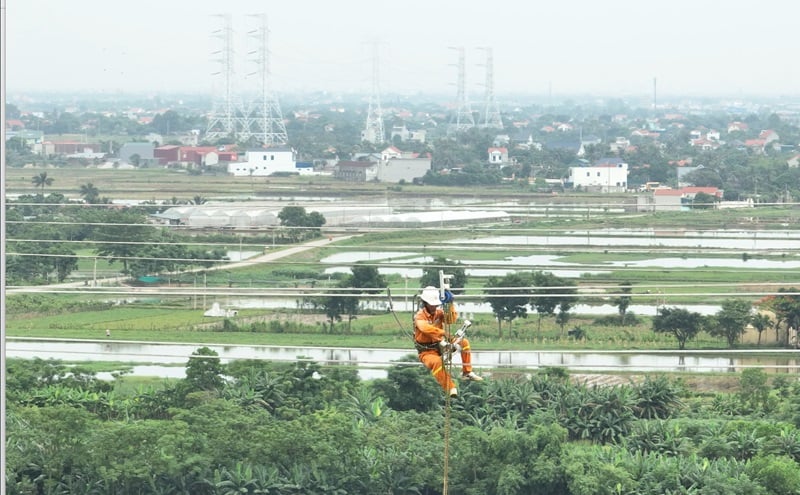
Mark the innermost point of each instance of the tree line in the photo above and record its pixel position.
(45, 232)
(515, 295)
(253, 426)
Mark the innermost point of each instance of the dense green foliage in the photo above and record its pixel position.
(290, 428)
(47, 250)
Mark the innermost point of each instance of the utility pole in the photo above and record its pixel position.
(221, 124)
(374, 131)
(264, 119)
(655, 93)
(463, 117)
(491, 113)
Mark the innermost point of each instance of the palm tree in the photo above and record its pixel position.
(42, 180)
(90, 192)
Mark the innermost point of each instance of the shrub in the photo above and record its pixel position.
(778, 474)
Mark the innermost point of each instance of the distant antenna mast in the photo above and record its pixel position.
(655, 102)
(374, 131)
(221, 123)
(491, 113)
(264, 119)
(463, 118)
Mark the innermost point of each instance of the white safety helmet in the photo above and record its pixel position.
(430, 295)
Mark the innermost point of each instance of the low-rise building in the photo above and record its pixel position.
(498, 156)
(356, 171)
(607, 175)
(266, 161)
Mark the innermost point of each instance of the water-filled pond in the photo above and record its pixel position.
(155, 358)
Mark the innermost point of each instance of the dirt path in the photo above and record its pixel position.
(278, 254)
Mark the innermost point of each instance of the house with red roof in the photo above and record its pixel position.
(757, 145)
(391, 152)
(679, 199)
(737, 126)
(195, 155)
(498, 155)
(768, 135)
(645, 133)
(704, 144)
(15, 124)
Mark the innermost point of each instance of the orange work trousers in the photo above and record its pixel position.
(433, 361)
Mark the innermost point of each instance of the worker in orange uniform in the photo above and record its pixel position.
(430, 339)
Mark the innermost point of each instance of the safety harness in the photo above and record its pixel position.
(427, 347)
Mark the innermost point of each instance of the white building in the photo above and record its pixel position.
(603, 178)
(264, 162)
(498, 156)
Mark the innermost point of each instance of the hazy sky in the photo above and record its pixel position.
(606, 47)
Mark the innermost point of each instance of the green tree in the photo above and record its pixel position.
(753, 388)
(90, 193)
(334, 306)
(623, 301)
(779, 474)
(409, 387)
(364, 279)
(566, 302)
(430, 274)
(63, 260)
(168, 122)
(204, 370)
(705, 177)
(760, 322)
(41, 181)
(552, 292)
(681, 323)
(123, 236)
(731, 320)
(300, 224)
(12, 111)
(508, 297)
(704, 201)
(786, 306)
(65, 123)
(367, 278)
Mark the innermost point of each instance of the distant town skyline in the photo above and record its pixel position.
(612, 48)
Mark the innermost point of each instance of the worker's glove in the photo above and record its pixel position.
(447, 297)
(444, 346)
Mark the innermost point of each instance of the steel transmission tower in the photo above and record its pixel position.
(463, 117)
(374, 131)
(491, 112)
(263, 119)
(222, 121)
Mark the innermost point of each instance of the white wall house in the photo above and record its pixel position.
(604, 178)
(264, 162)
(498, 156)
